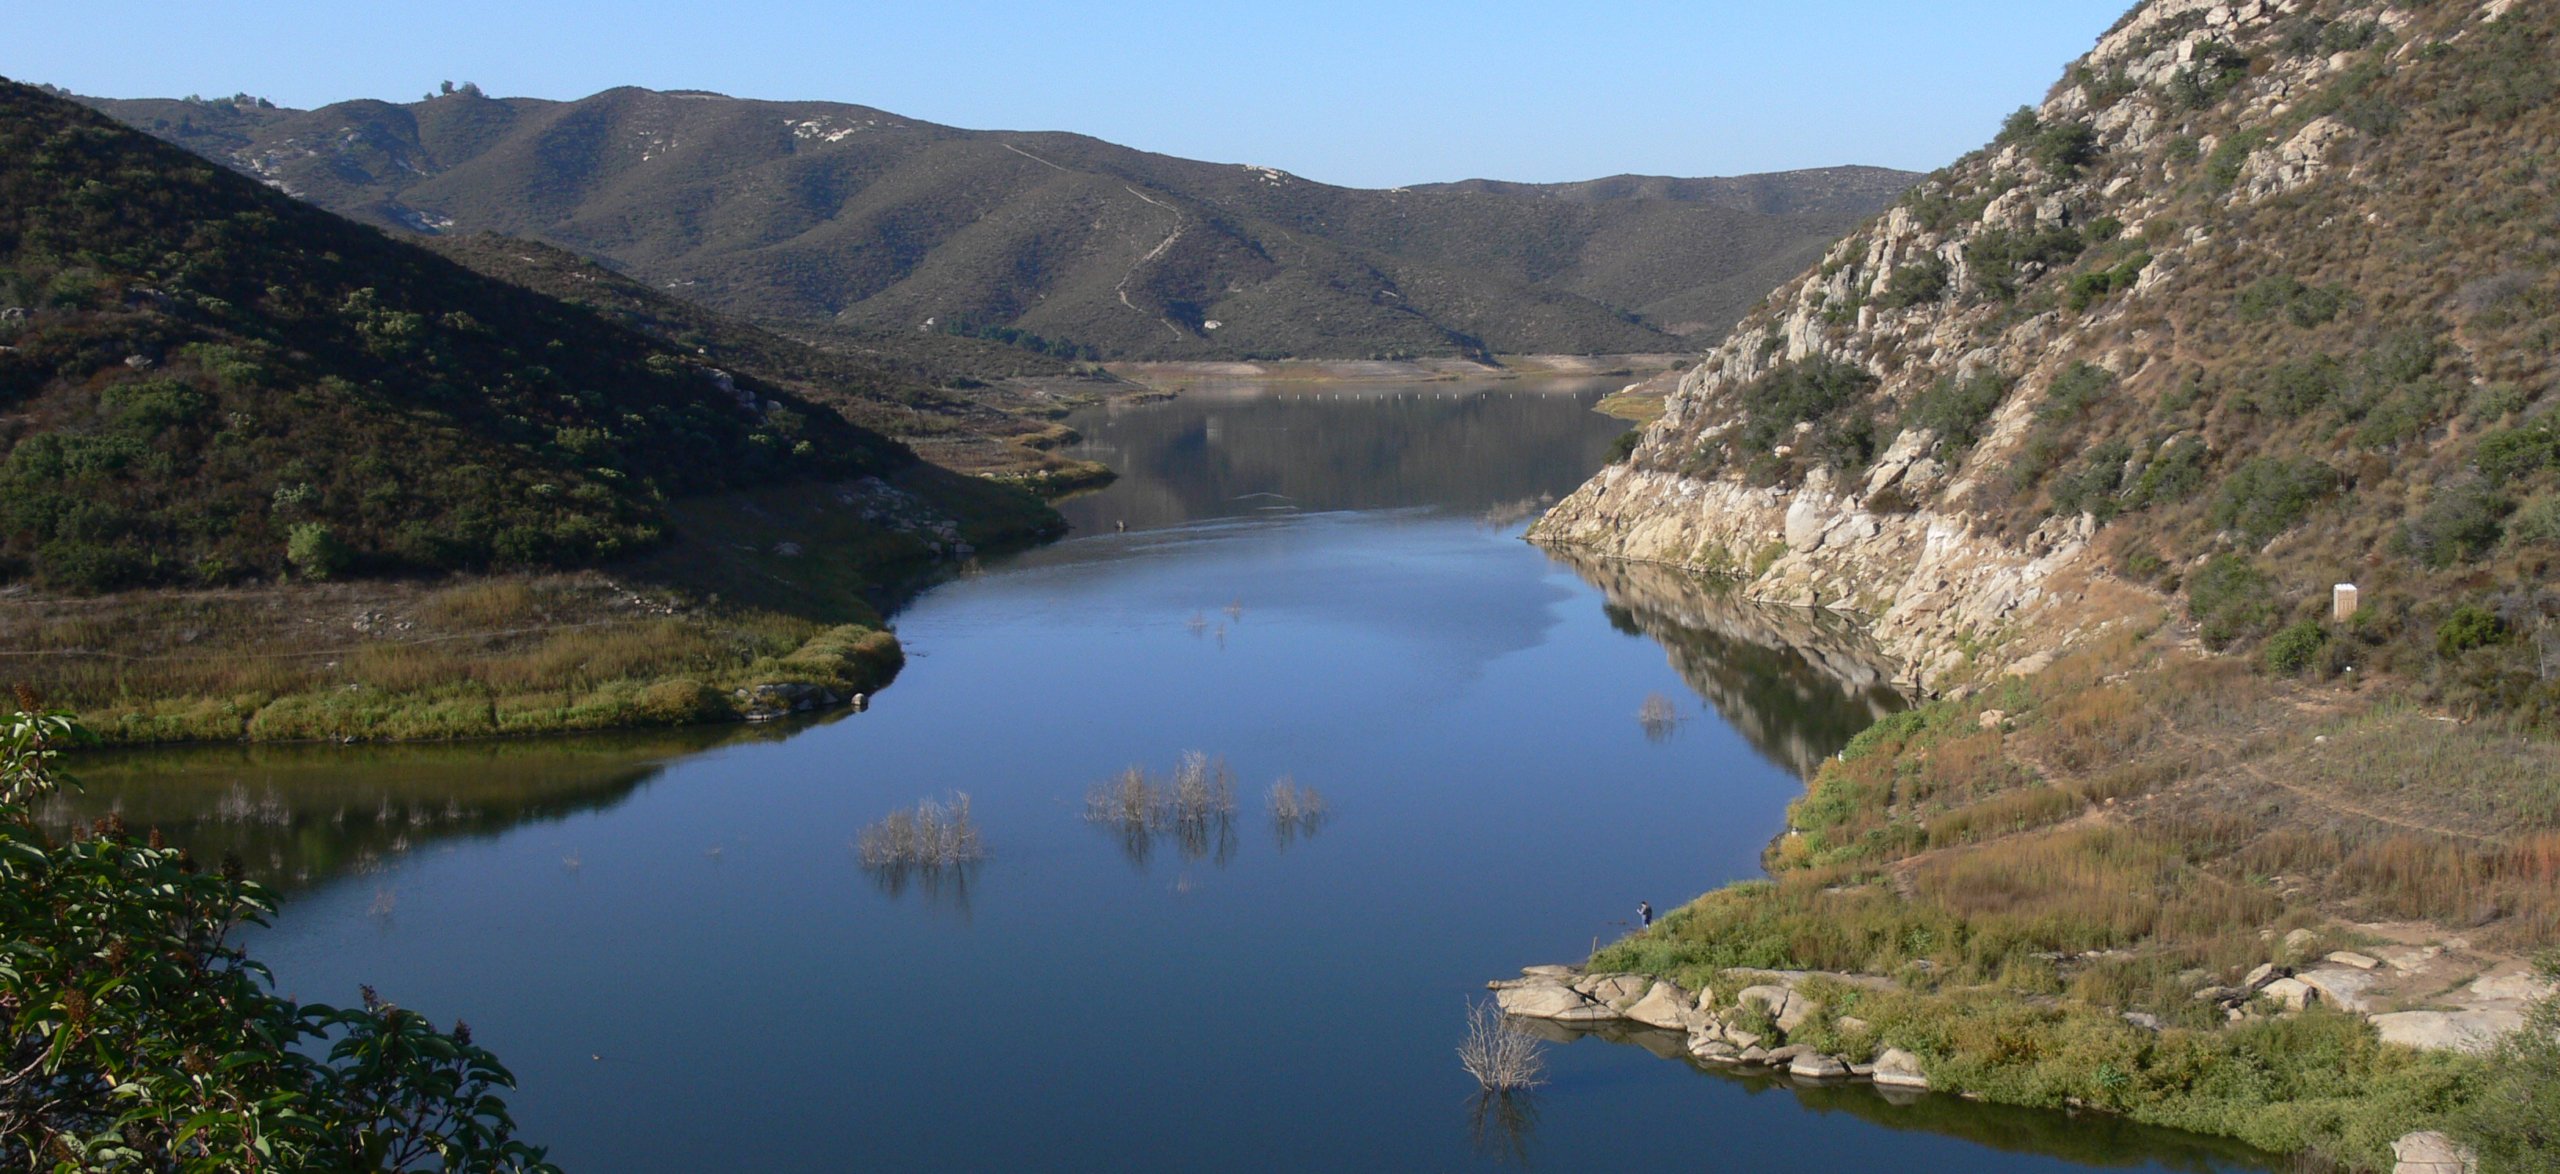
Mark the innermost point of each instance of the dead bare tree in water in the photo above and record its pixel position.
(1203, 789)
(928, 836)
(1295, 811)
(1196, 807)
(1498, 1054)
(1659, 715)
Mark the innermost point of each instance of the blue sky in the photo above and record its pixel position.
(1369, 94)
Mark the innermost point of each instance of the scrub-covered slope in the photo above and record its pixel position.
(2262, 298)
(2198, 441)
(205, 381)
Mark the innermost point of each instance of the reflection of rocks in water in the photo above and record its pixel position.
(1798, 683)
(1500, 1124)
(2085, 1139)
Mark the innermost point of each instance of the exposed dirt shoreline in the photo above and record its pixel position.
(1172, 375)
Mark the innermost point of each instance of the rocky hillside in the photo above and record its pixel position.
(811, 215)
(2260, 299)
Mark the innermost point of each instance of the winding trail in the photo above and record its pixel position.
(1162, 246)
(1180, 226)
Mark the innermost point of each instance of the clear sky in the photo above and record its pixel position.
(1370, 93)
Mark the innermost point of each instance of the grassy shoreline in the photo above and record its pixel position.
(2035, 857)
(484, 657)
(764, 602)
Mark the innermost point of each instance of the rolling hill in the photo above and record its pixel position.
(885, 231)
(203, 382)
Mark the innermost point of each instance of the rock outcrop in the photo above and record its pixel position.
(1573, 1001)
(1959, 363)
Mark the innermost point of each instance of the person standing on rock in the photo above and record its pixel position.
(1644, 914)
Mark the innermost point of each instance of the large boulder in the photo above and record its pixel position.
(2343, 987)
(2446, 1031)
(1817, 1067)
(1786, 1007)
(1665, 1006)
(2292, 994)
(1540, 1001)
(2432, 1153)
(1899, 1069)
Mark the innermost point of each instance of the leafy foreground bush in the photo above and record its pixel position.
(2514, 1124)
(141, 1038)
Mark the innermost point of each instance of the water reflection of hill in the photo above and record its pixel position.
(1798, 683)
(1242, 451)
(298, 814)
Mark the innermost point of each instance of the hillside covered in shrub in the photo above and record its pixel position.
(203, 382)
(2197, 445)
(2260, 299)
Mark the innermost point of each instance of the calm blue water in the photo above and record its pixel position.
(688, 968)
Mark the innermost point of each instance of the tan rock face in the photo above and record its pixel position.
(1924, 581)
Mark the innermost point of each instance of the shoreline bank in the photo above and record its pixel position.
(2055, 889)
(1432, 370)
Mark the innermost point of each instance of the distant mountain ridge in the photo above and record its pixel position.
(816, 216)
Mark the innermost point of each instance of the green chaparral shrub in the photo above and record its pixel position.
(2230, 599)
(2461, 522)
(2470, 626)
(142, 1037)
(2294, 650)
(2513, 1122)
(2265, 496)
(315, 551)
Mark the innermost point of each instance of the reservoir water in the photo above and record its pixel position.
(672, 941)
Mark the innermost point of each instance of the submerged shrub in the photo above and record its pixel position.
(1498, 1053)
(929, 835)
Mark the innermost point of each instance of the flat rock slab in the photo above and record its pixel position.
(1539, 1002)
(2431, 1153)
(2343, 987)
(2447, 1031)
(1817, 1067)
